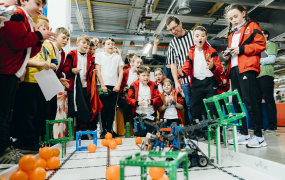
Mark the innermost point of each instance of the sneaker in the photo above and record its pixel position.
(251, 130)
(8, 157)
(242, 139)
(256, 142)
(271, 130)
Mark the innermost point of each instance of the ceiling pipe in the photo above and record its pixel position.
(151, 7)
(146, 7)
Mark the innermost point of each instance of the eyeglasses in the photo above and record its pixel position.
(174, 28)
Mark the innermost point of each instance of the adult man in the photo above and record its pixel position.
(177, 52)
(265, 83)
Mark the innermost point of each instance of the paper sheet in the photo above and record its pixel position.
(49, 83)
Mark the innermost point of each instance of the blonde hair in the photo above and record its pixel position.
(83, 37)
(62, 30)
(166, 81)
(118, 50)
(42, 17)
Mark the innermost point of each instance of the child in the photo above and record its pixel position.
(143, 95)
(92, 49)
(244, 66)
(131, 57)
(130, 75)
(204, 67)
(117, 51)
(19, 43)
(172, 104)
(109, 68)
(76, 68)
(159, 77)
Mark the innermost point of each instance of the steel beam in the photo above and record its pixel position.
(135, 15)
(90, 14)
(153, 9)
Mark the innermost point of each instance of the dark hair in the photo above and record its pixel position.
(172, 18)
(225, 66)
(92, 43)
(44, 2)
(131, 55)
(143, 69)
(266, 33)
(106, 39)
(200, 28)
(277, 92)
(239, 7)
(158, 69)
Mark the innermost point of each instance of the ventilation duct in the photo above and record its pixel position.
(184, 7)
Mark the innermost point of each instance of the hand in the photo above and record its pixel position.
(178, 87)
(64, 82)
(148, 102)
(47, 34)
(45, 65)
(210, 64)
(126, 88)
(235, 51)
(141, 103)
(168, 66)
(156, 40)
(116, 88)
(2, 18)
(104, 89)
(53, 66)
(224, 81)
(180, 71)
(76, 70)
(226, 57)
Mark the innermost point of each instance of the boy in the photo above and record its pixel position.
(18, 43)
(109, 67)
(62, 38)
(92, 48)
(204, 67)
(35, 107)
(131, 57)
(76, 68)
(143, 95)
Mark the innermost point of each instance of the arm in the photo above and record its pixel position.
(131, 97)
(124, 83)
(186, 69)
(67, 66)
(117, 87)
(217, 68)
(99, 75)
(156, 42)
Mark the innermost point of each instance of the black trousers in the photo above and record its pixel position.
(245, 84)
(149, 129)
(170, 121)
(108, 110)
(53, 108)
(201, 89)
(8, 86)
(127, 109)
(34, 115)
(264, 86)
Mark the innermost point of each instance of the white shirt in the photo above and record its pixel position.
(200, 64)
(23, 67)
(82, 64)
(235, 43)
(133, 76)
(144, 94)
(57, 54)
(170, 111)
(159, 85)
(109, 67)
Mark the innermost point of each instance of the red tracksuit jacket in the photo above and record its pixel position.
(15, 38)
(133, 93)
(124, 81)
(209, 53)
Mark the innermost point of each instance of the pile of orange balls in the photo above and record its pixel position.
(31, 168)
(110, 142)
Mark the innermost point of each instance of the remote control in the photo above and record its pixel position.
(7, 12)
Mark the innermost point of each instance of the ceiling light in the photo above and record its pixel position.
(184, 7)
(147, 48)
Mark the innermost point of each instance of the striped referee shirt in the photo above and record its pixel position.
(178, 50)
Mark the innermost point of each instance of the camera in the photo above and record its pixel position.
(227, 52)
(7, 12)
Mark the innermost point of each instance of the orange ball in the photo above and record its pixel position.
(138, 140)
(27, 162)
(38, 174)
(119, 141)
(41, 163)
(156, 172)
(46, 153)
(113, 173)
(1, 178)
(55, 152)
(19, 175)
(92, 148)
(164, 178)
(103, 142)
(53, 163)
(113, 144)
(107, 142)
(108, 136)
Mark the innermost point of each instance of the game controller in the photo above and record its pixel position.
(7, 12)
(227, 52)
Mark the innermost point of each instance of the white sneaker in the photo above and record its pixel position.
(256, 142)
(242, 139)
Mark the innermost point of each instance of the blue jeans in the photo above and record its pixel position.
(187, 92)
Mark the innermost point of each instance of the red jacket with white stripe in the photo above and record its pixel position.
(15, 38)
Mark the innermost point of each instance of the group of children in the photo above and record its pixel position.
(25, 51)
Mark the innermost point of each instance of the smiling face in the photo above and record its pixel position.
(82, 46)
(235, 17)
(62, 40)
(33, 7)
(200, 38)
(167, 87)
(109, 46)
(175, 29)
(144, 77)
(136, 64)
(158, 75)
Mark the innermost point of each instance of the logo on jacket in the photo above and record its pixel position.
(244, 77)
(247, 31)
(207, 56)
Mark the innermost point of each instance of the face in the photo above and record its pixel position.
(137, 64)
(33, 7)
(200, 38)
(144, 77)
(109, 46)
(265, 35)
(42, 25)
(116, 51)
(92, 50)
(62, 40)
(235, 17)
(167, 87)
(158, 76)
(175, 29)
(82, 46)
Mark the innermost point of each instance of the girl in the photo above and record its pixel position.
(117, 51)
(159, 77)
(246, 43)
(172, 104)
(130, 75)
